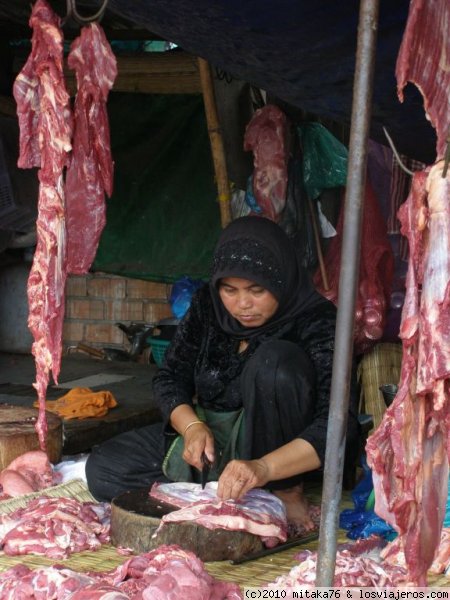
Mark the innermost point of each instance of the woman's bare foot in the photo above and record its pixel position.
(297, 508)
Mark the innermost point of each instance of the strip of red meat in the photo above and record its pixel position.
(90, 174)
(45, 141)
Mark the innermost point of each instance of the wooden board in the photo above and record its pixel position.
(18, 434)
(135, 518)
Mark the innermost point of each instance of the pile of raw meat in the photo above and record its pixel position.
(168, 573)
(71, 207)
(259, 512)
(357, 566)
(55, 527)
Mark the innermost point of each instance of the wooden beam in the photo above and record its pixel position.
(174, 72)
(216, 141)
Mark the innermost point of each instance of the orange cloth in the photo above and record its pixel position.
(81, 403)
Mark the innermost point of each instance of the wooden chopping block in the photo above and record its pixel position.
(135, 517)
(18, 434)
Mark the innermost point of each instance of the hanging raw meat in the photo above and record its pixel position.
(90, 173)
(424, 58)
(266, 135)
(376, 270)
(409, 451)
(43, 107)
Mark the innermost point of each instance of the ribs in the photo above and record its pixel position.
(408, 453)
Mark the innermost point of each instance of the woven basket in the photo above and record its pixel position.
(380, 366)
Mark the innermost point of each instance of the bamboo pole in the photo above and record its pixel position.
(215, 138)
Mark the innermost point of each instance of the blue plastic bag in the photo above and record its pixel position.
(360, 522)
(180, 297)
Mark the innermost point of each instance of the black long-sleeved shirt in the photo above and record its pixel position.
(203, 361)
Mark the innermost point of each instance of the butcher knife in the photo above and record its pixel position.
(291, 543)
(205, 470)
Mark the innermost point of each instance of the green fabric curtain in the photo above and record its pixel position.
(163, 219)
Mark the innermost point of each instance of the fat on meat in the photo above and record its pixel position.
(43, 107)
(408, 453)
(28, 473)
(90, 173)
(424, 59)
(267, 136)
(259, 512)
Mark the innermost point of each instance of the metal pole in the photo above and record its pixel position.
(348, 280)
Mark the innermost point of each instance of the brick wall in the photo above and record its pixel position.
(95, 302)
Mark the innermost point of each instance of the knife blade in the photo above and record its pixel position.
(205, 470)
(284, 546)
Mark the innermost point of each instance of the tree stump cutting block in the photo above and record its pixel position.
(135, 518)
(18, 434)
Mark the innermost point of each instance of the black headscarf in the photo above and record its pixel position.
(257, 249)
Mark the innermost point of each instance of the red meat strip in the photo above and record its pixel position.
(90, 173)
(28, 473)
(266, 135)
(43, 107)
(424, 59)
(54, 527)
(408, 453)
(258, 512)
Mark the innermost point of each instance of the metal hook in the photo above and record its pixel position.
(396, 154)
(447, 156)
(72, 12)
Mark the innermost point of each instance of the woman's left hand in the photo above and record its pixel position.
(240, 476)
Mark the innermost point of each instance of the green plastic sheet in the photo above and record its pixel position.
(163, 218)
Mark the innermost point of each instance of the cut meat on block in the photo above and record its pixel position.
(135, 517)
(259, 512)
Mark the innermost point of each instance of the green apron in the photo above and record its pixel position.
(227, 429)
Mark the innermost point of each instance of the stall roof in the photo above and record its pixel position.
(300, 51)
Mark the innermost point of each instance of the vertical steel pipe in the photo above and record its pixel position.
(348, 280)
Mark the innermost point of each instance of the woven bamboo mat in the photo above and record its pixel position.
(254, 573)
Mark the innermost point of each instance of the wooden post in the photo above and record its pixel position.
(215, 138)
